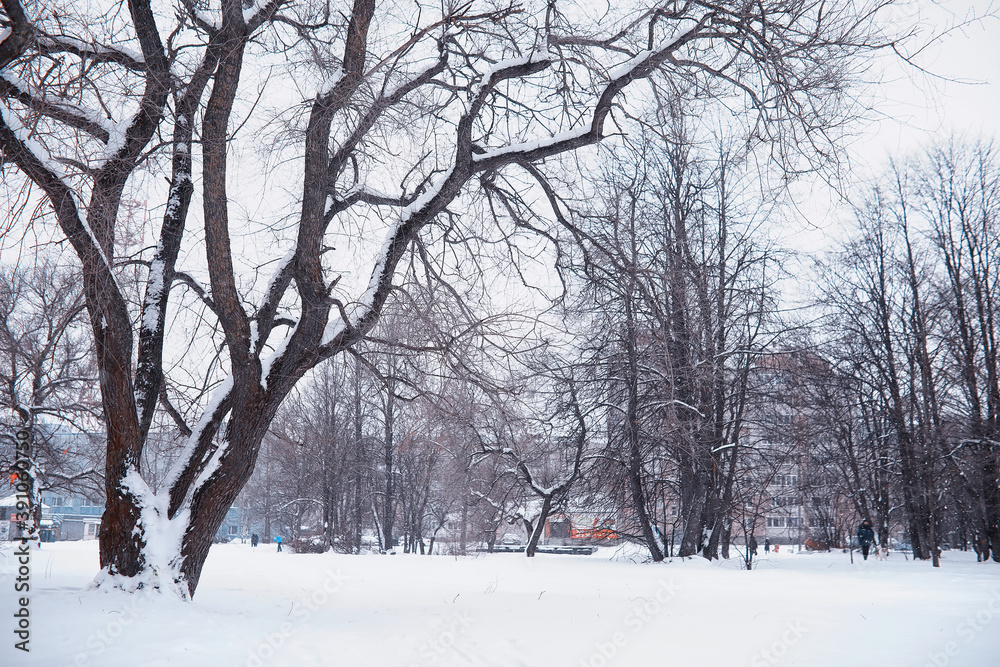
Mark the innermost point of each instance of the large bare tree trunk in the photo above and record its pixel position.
(535, 534)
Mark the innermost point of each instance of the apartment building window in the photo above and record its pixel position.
(775, 522)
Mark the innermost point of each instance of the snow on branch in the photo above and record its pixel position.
(77, 117)
(629, 65)
(378, 285)
(14, 40)
(638, 67)
(482, 496)
(510, 68)
(192, 460)
(23, 136)
(257, 15)
(366, 310)
(161, 535)
(53, 44)
(35, 161)
(376, 110)
(567, 137)
(263, 322)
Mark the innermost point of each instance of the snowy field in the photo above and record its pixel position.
(258, 607)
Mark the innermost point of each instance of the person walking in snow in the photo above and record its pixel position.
(767, 544)
(277, 539)
(254, 540)
(866, 537)
(753, 546)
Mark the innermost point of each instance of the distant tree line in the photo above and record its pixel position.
(666, 391)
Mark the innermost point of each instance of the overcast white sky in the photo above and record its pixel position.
(962, 91)
(958, 94)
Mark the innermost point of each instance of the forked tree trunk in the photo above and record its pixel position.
(213, 499)
(535, 534)
(694, 522)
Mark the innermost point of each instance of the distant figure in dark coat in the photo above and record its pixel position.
(767, 544)
(278, 540)
(753, 546)
(254, 540)
(982, 547)
(866, 537)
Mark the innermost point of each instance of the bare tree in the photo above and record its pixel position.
(957, 186)
(545, 449)
(316, 469)
(884, 303)
(46, 380)
(853, 442)
(466, 94)
(679, 286)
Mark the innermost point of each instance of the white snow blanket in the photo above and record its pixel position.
(258, 607)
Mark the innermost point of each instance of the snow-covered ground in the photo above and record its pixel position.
(258, 607)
